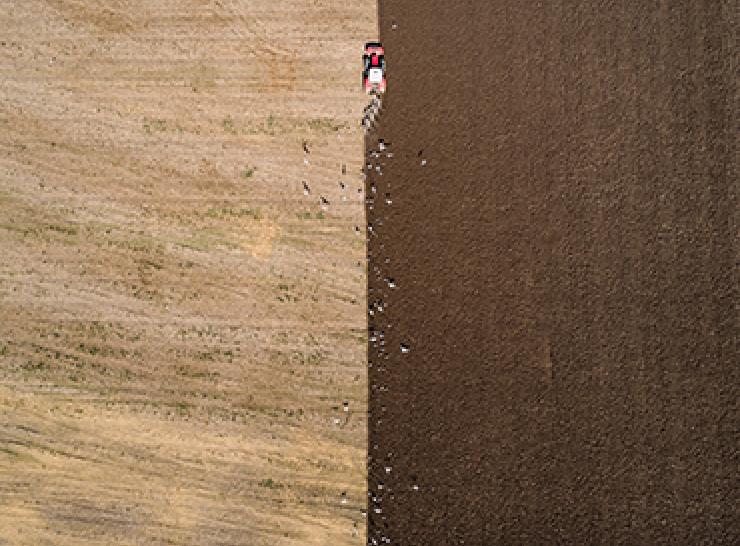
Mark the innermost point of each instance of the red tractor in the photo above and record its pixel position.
(373, 73)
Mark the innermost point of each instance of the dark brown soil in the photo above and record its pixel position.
(565, 274)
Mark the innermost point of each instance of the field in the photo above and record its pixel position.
(560, 229)
(182, 326)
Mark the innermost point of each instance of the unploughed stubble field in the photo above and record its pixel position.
(180, 324)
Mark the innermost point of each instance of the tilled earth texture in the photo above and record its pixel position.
(552, 277)
(181, 321)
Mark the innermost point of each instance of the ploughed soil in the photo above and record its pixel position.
(561, 238)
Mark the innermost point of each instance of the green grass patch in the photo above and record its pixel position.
(63, 229)
(306, 215)
(270, 484)
(220, 212)
(154, 125)
(325, 125)
(228, 125)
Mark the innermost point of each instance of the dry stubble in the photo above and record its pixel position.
(179, 323)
